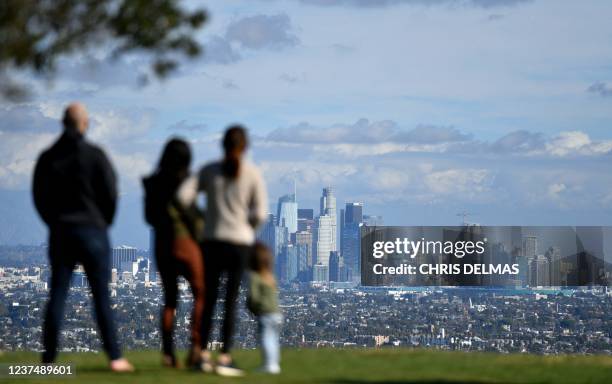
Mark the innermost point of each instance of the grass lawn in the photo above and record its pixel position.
(350, 366)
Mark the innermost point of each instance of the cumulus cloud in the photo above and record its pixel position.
(367, 132)
(386, 3)
(27, 129)
(184, 126)
(18, 153)
(262, 32)
(519, 142)
(371, 138)
(554, 190)
(114, 126)
(466, 182)
(600, 88)
(576, 143)
(256, 32)
(218, 50)
(26, 118)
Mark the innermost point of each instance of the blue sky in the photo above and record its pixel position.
(421, 109)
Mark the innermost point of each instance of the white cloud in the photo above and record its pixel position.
(459, 182)
(113, 126)
(18, 153)
(576, 143)
(554, 190)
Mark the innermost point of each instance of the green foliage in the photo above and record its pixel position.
(34, 34)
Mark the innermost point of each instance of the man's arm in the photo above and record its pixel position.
(40, 190)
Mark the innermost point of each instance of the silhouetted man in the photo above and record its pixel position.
(75, 194)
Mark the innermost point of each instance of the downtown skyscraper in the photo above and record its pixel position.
(325, 231)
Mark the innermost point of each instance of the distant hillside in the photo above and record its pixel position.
(353, 366)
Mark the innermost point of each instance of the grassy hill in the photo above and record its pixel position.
(352, 366)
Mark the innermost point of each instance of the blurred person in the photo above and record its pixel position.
(177, 251)
(262, 301)
(236, 206)
(75, 193)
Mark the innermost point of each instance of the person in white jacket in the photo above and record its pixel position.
(236, 204)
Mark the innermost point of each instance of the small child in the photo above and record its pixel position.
(263, 302)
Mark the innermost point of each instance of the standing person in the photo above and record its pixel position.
(236, 206)
(177, 252)
(75, 193)
(263, 302)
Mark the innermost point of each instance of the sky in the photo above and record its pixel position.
(420, 109)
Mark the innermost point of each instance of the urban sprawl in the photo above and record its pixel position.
(321, 299)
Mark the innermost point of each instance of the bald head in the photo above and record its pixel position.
(75, 118)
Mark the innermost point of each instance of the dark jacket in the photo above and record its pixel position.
(75, 184)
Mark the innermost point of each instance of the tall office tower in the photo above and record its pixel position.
(152, 265)
(540, 271)
(328, 208)
(351, 240)
(288, 263)
(322, 239)
(274, 236)
(530, 247)
(373, 220)
(305, 238)
(292, 262)
(287, 213)
(266, 233)
(305, 219)
(341, 229)
(123, 257)
(306, 213)
(334, 266)
(553, 254)
(591, 257)
(304, 268)
(353, 212)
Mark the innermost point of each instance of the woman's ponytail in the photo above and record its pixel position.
(234, 143)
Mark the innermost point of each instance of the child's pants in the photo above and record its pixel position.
(269, 332)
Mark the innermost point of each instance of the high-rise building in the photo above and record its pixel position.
(323, 239)
(290, 263)
(305, 238)
(273, 236)
(305, 219)
(123, 256)
(540, 271)
(339, 245)
(328, 208)
(287, 213)
(303, 266)
(334, 266)
(306, 213)
(530, 247)
(553, 254)
(351, 240)
(353, 212)
(351, 250)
